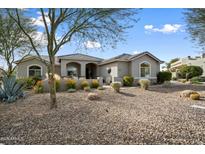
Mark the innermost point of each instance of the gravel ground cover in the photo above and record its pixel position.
(134, 116)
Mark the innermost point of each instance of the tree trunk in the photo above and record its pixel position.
(53, 103)
(10, 70)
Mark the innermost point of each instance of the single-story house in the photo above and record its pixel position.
(140, 66)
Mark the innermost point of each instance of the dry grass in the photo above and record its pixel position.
(133, 116)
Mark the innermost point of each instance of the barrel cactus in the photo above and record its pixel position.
(10, 89)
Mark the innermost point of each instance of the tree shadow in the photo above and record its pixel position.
(127, 94)
(176, 88)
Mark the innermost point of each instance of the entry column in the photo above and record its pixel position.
(83, 70)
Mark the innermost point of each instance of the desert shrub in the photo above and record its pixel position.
(144, 83)
(29, 82)
(164, 76)
(95, 84)
(87, 89)
(128, 80)
(84, 84)
(195, 96)
(116, 86)
(101, 88)
(182, 80)
(174, 78)
(38, 88)
(11, 90)
(197, 80)
(57, 82)
(188, 72)
(71, 84)
(71, 90)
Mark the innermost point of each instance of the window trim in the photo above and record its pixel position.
(34, 65)
(150, 70)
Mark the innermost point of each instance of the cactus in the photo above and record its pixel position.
(11, 90)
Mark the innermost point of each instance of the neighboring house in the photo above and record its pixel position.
(189, 61)
(143, 65)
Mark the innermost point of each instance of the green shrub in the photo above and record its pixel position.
(71, 84)
(128, 80)
(87, 89)
(84, 84)
(116, 86)
(164, 76)
(95, 84)
(144, 83)
(71, 90)
(57, 82)
(29, 82)
(188, 72)
(197, 80)
(38, 88)
(174, 78)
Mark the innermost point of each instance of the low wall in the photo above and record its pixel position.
(63, 82)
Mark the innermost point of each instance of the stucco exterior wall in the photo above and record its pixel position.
(135, 66)
(104, 70)
(123, 69)
(22, 68)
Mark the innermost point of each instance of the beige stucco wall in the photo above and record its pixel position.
(123, 69)
(104, 70)
(135, 66)
(64, 63)
(22, 68)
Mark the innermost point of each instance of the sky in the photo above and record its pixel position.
(159, 31)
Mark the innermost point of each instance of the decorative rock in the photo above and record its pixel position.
(187, 93)
(195, 96)
(93, 96)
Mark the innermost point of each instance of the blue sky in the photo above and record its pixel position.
(159, 31)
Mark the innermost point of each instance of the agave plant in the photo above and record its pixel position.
(10, 90)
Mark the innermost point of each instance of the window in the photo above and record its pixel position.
(72, 71)
(109, 71)
(145, 69)
(35, 71)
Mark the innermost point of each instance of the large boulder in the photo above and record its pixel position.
(93, 96)
(187, 93)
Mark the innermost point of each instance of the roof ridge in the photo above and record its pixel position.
(81, 54)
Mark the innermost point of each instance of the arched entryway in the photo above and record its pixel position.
(73, 69)
(91, 71)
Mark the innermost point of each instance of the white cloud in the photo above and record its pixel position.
(148, 27)
(136, 52)
(92, 44)
(41, 38)
(39, 20)
(166, 29)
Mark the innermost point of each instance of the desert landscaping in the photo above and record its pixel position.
(133, 116)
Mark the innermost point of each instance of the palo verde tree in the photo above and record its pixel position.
(63, 26)
(195, 19)
(13, 42)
